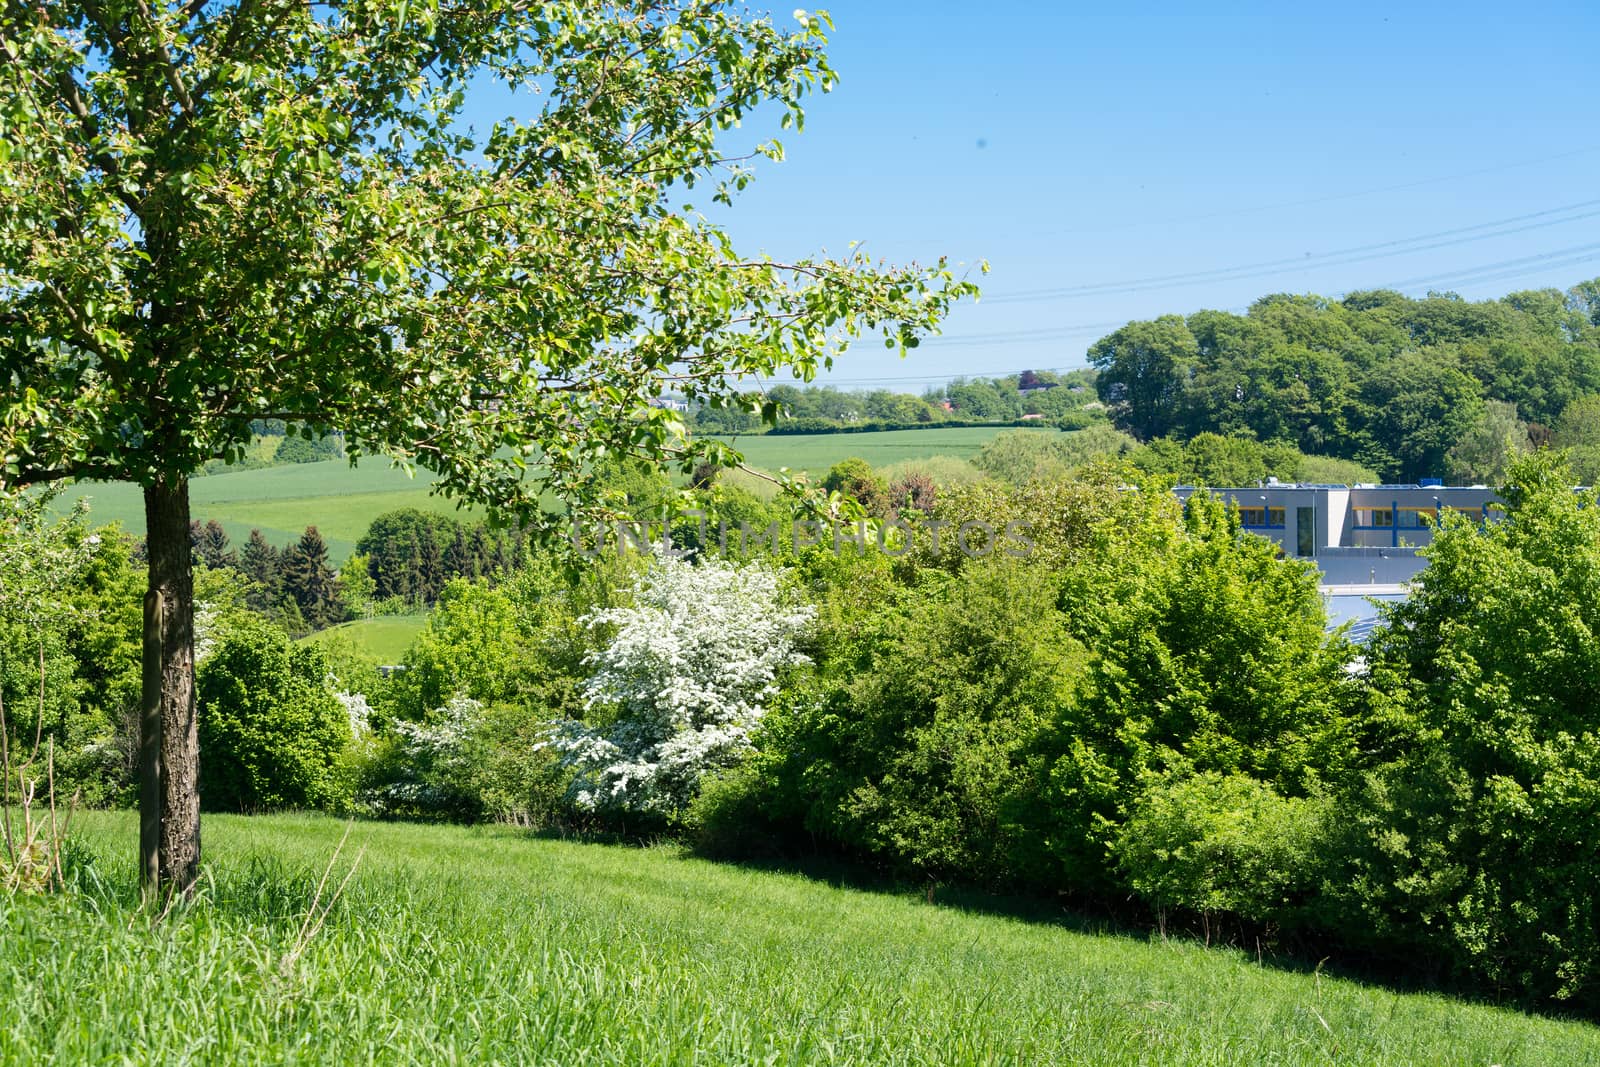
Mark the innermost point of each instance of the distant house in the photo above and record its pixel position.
(1035, 415)
(671, 403)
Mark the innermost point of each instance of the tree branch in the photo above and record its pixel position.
(169, 69)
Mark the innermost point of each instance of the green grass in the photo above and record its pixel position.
(815, 453)
(341, 501)
(384, 639)
(482, 945)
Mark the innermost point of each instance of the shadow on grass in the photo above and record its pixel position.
(1301, 952)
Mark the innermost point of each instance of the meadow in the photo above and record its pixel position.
(486, 945)
(341, 500)
(384, 639)
(815, 453)
(338, 499)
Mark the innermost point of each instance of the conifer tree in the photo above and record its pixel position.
(457, 560)
(262, 566)
(309, 579)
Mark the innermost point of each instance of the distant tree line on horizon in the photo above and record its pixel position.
(1412, 388)
(1066, 399)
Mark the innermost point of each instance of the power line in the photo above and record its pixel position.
(1508, 268)
(1342, 257)
(1259, 208)
(1501, 270)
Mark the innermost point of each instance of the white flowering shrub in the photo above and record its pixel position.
(358, 710)
(437, 761)
(687, 673)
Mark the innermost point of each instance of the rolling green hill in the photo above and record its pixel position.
(487, 945)
(338, 499)
(384, 639)
(341, 500)
(815, 453)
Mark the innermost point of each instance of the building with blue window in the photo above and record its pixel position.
(1357, 535)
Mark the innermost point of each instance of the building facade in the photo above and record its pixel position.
(1357, 535)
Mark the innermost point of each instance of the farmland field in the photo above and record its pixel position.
(281, 502)
(484, 945)
(341, 500)
(815, 453)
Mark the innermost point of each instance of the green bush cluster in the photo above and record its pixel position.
(1145, 706)
(1157, 711)
(272, 734)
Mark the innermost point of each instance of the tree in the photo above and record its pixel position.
(263, 568)
(355, 587)
(1209, 654)
(472, 646)
(855, 478)
(272, 731)
(1478, 844)
(210, 544)
(217, 213)
(309, 579)
(458, 561)
(1485, 452)
(1578, 431)
(392, 545)
(1144, 369)
(688, 671)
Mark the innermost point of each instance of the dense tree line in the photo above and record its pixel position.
(412, 554)
(1407, 387)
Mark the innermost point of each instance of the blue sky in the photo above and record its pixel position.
(1076, 145)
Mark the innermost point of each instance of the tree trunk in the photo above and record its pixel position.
(169, 763)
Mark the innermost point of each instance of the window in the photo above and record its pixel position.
(1375, 517)
(1416, 518)
(1263, 517)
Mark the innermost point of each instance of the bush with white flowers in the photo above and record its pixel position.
(687, 673)
(437, 759)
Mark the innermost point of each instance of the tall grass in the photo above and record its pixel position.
(454, 945)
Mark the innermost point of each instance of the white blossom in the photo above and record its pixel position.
(688, 671)
(359, 711)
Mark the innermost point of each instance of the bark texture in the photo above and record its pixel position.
(166, 506)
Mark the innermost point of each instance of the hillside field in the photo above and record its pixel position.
(815, 453)
(485, 945)
(341, 500)
(384, 638)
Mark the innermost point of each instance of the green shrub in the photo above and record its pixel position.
(472, 646)
(1208, 654)
(729, 818)
(271, 733)
(1479, 843)
(1222, 843)
(855, 478)
(1326, 470)
(908, 743)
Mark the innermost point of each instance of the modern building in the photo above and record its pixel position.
(1357, 535)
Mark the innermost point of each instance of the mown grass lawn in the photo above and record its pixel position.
(384, 638)
(483, 945)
